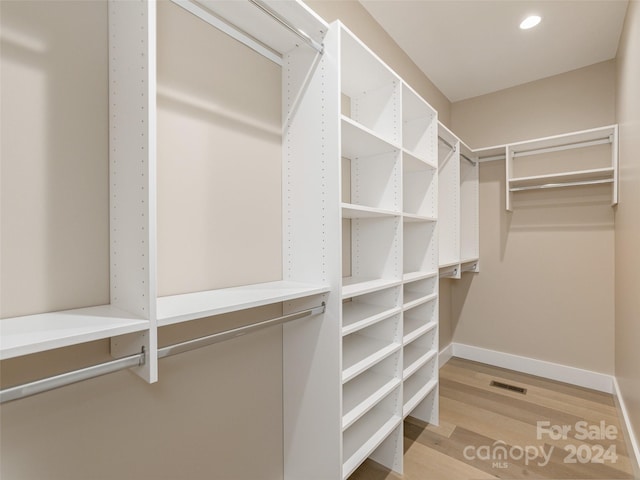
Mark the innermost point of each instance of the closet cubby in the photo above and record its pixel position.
(366, 390)
(419, 320)
(420, 291)
(421, 388)
(372, 89)
(420, 188)
(420, 255)
(371, 431)
(363, 349)
(375, 251)
(363, 310)
(419, 123)
(416, 356)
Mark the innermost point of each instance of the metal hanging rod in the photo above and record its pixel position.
(470, 268)
(236, 332)
(566, 146)
(68, 378)
(468, 159)
(452, 273)
(560, 185)
(491, 158)
(295, 30)
(452, 147)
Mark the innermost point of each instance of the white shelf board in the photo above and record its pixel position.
(46, 331)
(413, 398)
(487, 154)
(358, 315)
(359, 141)
(365, 436)
(352, 286)
(189, 306)
(360, 353)
(411, 217)
(414, 358)
(363, 393)
(413, 299)
(563, 139)
(416, 327)
(469, 260)
(350, 210)
(419, 275)
(591, 174)
(416, 163)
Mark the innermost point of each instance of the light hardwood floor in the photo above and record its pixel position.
(475, 415)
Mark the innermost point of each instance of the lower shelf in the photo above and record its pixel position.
(46, 331)
(364, 436)
(360, 352)
(363, 393)
(415, 390)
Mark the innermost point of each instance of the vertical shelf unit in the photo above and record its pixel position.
(377, 154)
(458, 187)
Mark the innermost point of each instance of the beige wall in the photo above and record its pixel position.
(627, 358)
(352, 14)
(216, 412)
(545, 289)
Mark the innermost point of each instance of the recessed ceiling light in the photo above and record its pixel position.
(530, 22)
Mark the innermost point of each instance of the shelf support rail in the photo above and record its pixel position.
(68, 378)
(560, 185)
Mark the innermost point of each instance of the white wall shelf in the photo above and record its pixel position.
(36, 333)
(358, 315)
(364, 436)
(352, 286)
(415, 324)
(560, 171)
(414, 358)
(361, 353)
(190, 306)
(358, 211)
(363, 393)
(415, 391)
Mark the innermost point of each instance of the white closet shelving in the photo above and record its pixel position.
(458, 206)
(134, 306)
(594, 161)
(379, 153)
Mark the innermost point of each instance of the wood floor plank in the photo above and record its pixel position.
(474, 415)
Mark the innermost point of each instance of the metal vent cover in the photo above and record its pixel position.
(506, 386)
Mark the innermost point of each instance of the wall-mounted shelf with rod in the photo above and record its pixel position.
(594, 161)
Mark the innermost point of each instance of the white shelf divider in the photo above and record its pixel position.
(415, 392)
(352, 286)
(414, 358)
(357, 315)
(350, 210)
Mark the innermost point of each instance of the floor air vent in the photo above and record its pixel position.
(506, 386)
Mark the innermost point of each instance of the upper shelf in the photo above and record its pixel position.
(550, 179)
(46, 331)
(359, 141)
(189, 306)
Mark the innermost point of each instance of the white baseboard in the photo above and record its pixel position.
(445, 355)
(540, 368)
(631, 436)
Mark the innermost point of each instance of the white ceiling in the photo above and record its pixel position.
(472, 47)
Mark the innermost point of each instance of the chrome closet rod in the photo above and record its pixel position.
(446, 143)
(564, 146)
(468, 159)
(452, 273)
(236, 332)
(559, 185)
(470, 268)
(68, 378)
(296, 31)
